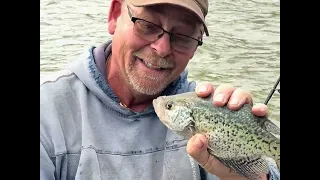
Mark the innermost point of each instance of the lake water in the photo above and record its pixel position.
(243, 47)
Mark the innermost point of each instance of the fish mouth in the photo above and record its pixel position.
(158, 108)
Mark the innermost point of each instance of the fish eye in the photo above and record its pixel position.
(169, 105)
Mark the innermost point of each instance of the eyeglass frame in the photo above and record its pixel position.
(134, 19)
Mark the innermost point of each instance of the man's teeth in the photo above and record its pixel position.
(149, 65)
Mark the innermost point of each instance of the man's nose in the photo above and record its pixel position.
(162, 46)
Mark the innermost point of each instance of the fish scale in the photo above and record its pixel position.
(229, 126)
(239, 139)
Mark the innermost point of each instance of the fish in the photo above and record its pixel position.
(239, 139)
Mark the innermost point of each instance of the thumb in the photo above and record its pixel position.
(197, 148)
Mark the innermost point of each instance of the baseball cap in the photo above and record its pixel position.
(199, 7)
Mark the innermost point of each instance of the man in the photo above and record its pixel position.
(97, 120)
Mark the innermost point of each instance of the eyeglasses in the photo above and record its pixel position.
(151, 32)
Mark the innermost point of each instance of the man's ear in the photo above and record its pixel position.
(114, 13)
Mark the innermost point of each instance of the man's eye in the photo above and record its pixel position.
(150, 28)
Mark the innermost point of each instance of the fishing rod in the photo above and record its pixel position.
(272, 91)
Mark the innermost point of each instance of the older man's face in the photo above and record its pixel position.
(150, 66)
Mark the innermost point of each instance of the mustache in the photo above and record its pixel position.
(154, 59)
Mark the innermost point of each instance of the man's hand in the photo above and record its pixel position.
(197, 145)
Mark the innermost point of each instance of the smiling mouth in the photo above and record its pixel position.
(152, 66)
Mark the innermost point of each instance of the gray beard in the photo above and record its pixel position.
(151, 85)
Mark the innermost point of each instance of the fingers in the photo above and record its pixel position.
(238, 98)
(260, 110)
(197, 149)
(228, 95)
(222, 94)
(204, 89)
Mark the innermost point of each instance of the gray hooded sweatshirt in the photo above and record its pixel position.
(86, 135)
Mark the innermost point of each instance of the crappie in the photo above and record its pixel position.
(239, 139)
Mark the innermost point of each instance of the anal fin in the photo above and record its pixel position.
(250, 167)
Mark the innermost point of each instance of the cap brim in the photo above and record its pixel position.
(190, 5)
